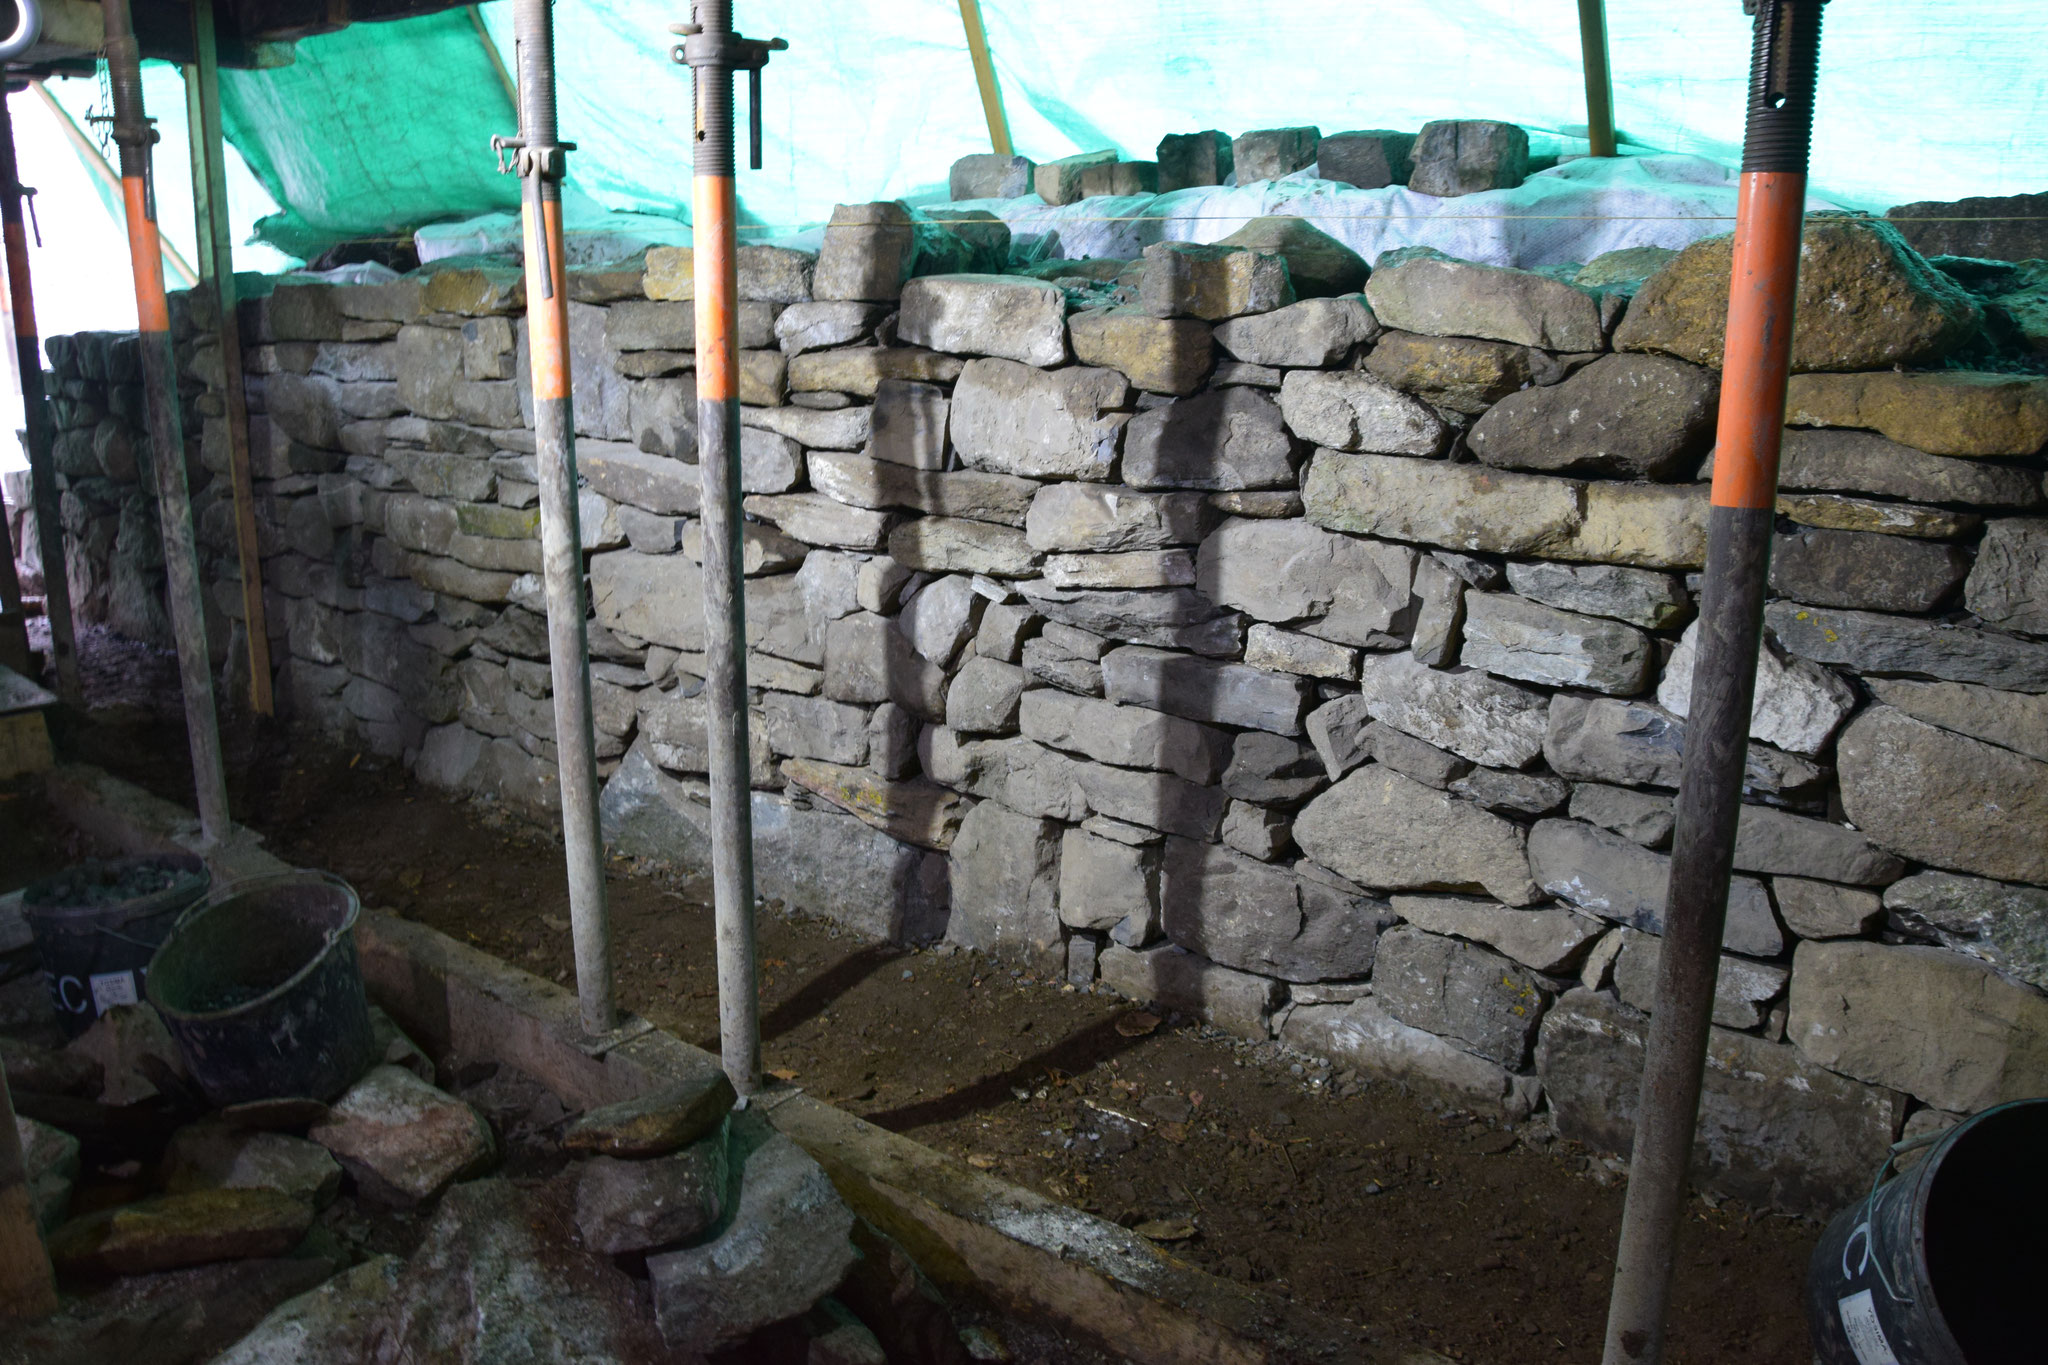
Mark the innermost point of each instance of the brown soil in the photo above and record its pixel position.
(1419, 1224)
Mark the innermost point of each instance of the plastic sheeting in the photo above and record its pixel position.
(386, 126)
(374, 130)
(1570, 213)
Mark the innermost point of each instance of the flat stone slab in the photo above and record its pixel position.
(656, 1123)
(174, 1230)
(404, 1140)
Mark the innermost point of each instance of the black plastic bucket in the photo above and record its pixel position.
(1945, 1264)
(263, 992)
(98, 924)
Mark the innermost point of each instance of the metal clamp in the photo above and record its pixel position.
(546, 160)
(27, 195)
(727, 51)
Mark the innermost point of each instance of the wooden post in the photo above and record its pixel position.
(483, 34)
(217, 270)
(26, 1287)
(985, 77)
(1599, 83)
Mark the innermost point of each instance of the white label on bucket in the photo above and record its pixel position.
(112, 988)
(1866, 1338)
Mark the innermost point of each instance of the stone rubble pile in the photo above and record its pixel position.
(1302, 647)
(676, 1228)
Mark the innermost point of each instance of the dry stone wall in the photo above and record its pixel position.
(1310, 658)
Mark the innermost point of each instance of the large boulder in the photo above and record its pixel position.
(1169, 975)
(1260, 918)
(1642, 417)
(1186, 160)
(1797, 702)
(1461, 991)
(2009, 585)
(995, 315)
(1617, 879)
(1158, 355)
(1466, 156)
(496, 1278)
(871, 250)
(1942, 412)
(1637, 596)
(1548, 939)
(1866, 571)
(1381, 829)
(1348, 590)
(1943, 798)
(1013, 419)
(1226, 438)
(1467, 712)
(403, 1140)
(170, 1231)
(1318, 264)
(1420, 289)
(1353, 410)
(1362, 1034)
(1999, 228)
(627, 1206)
(1102, 518)
(656, 1123)
(2015, 720)
(1371, 159)
(1005, 882)
(1871, 642)
(1512, 637)
(1212, 282)
(1206, 690)
(1844, 461)
(1773, 1128)
(1307, 335)
(2001, 923)
(783, 1248)
(1866, 301)
(1945, 1028)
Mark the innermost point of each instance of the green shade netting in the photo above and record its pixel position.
(386, 126)
(374, 130)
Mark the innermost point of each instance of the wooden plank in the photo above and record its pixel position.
(1599, 81)
(985, 77)
(216, 257)
(483, 33)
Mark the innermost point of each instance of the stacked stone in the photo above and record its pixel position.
(101, 453)
(1311, 659)
(1448, 158)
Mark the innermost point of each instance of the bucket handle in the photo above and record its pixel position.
(1862, 1229)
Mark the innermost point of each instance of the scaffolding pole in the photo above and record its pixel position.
(217, 273)
(1599, 79)
(1770, 209)
(713, 52)
(35, 410)
(539, 158)
(132, 130)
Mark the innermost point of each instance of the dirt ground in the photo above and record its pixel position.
(1418, 1223)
